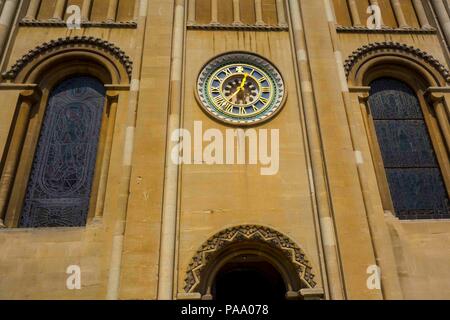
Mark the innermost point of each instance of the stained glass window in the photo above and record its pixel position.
(60, 183)
(414, 177)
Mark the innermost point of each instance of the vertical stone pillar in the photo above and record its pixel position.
(112, 10)
(281, 13)
(105, 153)
(318, 183)
(191, 13)
(237, 12)
(32, 10)
(380, 237)
(27, 100)
(115, 266)
(442, 112)
(58, 13)
(354, 13)
(214, 12)
(6, 21)
(259, 12)
(170, 209)
(443, 18)
(421, 15)
(399, 15)
(86, 10)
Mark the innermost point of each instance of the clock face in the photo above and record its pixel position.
(241, 89)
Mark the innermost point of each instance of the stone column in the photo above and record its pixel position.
(170, 209)
(399, 15)
(421, 15)
(354, 13)
(27, 100)
(281, 13)
(444, 19)
(58, 13)
(258, 12)
(86, 10)
(112, 10)
(375, 217)
(318, 183)
(105, 153)
(115, 267)
(442, 112)
(191, 13)
(6, 21)
(32, 10)
(214, 12)
(237, 12)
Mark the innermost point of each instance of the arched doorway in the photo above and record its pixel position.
(249, 263)
(249, 277)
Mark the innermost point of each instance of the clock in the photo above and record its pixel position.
(241, 89)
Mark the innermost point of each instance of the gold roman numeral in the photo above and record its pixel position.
(242, 110)
(265, 89)
(264, 100)
(229, 108)
(262, 79)
(227, 72)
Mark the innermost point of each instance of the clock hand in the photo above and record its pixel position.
(244, 81)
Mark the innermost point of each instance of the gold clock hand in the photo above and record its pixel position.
(234, 94)
(244, 81)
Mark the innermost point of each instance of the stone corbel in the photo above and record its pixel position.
(362, 93)
(438, 98)
(312, 294)
(189, 296)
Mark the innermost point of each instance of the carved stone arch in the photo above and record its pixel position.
(287, 257)
(34, 65)
(399, 56)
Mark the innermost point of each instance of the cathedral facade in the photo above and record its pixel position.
(211, 149)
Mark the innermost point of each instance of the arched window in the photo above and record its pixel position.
(412, 170)
(60, 183)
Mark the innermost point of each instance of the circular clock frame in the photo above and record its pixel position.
(277, 94)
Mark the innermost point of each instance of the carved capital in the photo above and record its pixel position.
(31, 96)
(436, 94)
(312, 293)
(363, 93)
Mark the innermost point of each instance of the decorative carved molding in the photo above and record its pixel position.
(84, 24)
(394, 47)
(248, 233)
(238, 26)
(361, 29)
(65, 42)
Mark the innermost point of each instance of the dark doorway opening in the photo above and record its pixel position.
(249, 278)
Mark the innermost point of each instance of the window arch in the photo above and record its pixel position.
(412, 171)
(42, 75)
(59, 188)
